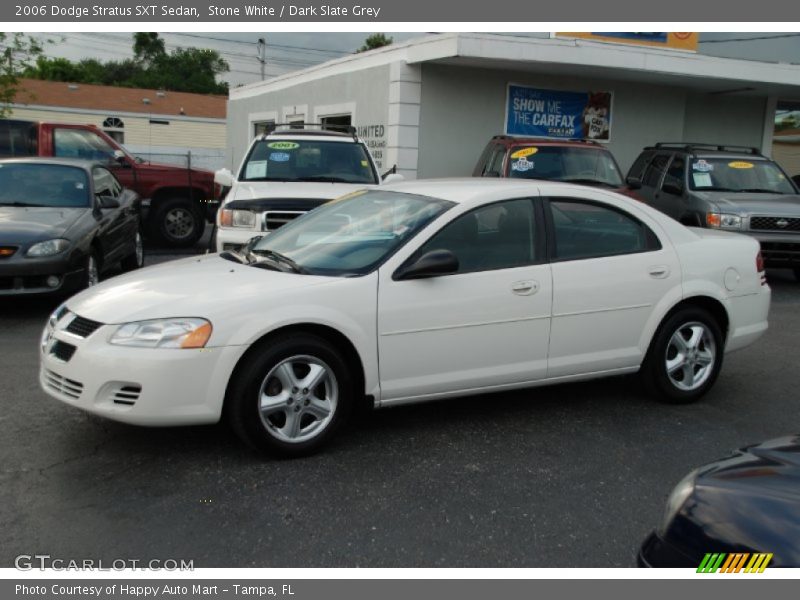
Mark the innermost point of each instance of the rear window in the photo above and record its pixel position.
(274, 159)
(589, 165)
(17, 138)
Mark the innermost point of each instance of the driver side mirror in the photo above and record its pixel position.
(107, 202)
(430, 264)
(633, 182)
(224, 178)
(120, 158)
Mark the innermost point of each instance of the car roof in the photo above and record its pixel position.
(67, 162)
(473, 190)
(508, 140)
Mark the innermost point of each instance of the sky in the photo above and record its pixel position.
(294, 51)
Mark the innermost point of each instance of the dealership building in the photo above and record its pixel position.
(429, 105)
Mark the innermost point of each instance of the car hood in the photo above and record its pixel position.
(260, 190)
(21, 225)
(761, 204)
(207, 286)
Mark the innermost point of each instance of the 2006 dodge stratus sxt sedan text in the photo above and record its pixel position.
(416, 291)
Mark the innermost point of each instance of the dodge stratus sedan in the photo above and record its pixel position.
(410, 292)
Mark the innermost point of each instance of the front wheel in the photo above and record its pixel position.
(290, 396)
(135, 260)
(176, 222)
(685, 357)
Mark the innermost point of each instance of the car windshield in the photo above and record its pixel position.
(738, 175)
(589, 165)
(352, 235)
(40, 184)
(273, 159)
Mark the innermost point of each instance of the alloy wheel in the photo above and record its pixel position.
(690, 357)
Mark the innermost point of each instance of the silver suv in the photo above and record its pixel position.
(723, 187)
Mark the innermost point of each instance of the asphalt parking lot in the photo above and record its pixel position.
(567, 476)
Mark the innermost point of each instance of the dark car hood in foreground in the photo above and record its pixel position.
(783, 205)
(749, 502)
(21, 225)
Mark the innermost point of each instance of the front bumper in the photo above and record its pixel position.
(20, 275)
(140, 386)
(656, 553)
(233, 238)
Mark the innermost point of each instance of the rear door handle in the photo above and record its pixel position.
(525, 288)
(659, 271)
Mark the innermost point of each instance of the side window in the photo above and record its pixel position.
(80, 143)
(105, 184)
(676, 173)
(637, 170)
(584, 229)
(652, 176)
(497, 236)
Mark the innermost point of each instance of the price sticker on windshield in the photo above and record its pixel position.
(524, 152)
(740, 164)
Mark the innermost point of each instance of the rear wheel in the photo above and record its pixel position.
(290, 396)
(685, 357)
(176, 222)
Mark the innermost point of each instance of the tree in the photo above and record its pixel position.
(376, 40)
(18, 53)
(147, 48)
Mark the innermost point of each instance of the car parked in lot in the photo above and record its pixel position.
(573, 161)
(174, 199)
(746, 504)
(459, 286)
(288, 172)
(724, 187)
(63, 222)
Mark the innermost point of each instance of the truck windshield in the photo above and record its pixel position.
(564, 163)
(308, 160)
(350, 236)
(30, 184)
(738, 175)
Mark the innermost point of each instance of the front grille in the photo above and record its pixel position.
(62, 350)
(775, 223)
(276, 219)
(780, 254)
(126, 395)
(83, 327)
(62, 385)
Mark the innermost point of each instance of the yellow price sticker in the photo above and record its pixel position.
(740, 164)
(523, 152)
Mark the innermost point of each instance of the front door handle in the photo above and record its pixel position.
(525, 288)
(659, 271)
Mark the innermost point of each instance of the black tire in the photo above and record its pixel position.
(176, 222)
(678, 389)
(135, 260)
(267, 431)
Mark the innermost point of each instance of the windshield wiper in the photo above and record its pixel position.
(278, 258)
(324, 179)
(21, 204)
(761, 191)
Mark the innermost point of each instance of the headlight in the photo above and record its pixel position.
(163, 333)
(723, 220)
(48, 248)
(677, 498)
(237, 218)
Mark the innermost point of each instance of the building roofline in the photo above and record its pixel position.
(675, 65)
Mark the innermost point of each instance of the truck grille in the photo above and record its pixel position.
(62, 385)
(775, 223)
(83, 327)
(276, 219)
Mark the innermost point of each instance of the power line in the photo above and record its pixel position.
(246, 43)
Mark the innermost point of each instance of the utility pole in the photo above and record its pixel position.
(262, 55)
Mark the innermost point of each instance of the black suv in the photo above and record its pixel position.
(723, 187)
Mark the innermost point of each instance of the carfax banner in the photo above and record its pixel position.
(558, 114)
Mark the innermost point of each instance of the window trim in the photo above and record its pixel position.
(653, 242)
(539, 248)
(684, 178)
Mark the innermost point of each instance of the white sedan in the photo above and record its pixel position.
(412, 292)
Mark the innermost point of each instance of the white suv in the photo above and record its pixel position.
(288, 172)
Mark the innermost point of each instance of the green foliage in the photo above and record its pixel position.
(376, 40)
(18, 53)
(182, 70)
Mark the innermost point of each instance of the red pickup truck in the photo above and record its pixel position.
(174, 199)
